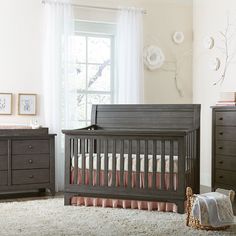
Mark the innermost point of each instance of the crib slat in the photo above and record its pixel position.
(187, 156)
(146, 164)
(75, 142)
(171, 163)
(91, 148)
(83, 160)
(98, 161)
(68, 159)
(138, 165)
(122, 163)
(181, 164)
(191, 156)
(154, 164)
(130, 164)
(106, 162)
(114, 163)
(162, 186)
(194, 160)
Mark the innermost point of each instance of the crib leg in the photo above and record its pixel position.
(180, 205)
(67, 198)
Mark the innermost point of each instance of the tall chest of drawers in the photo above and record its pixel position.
(27, 160)
(224, 148)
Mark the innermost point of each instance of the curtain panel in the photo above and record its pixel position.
(57, 67)
(129, 84)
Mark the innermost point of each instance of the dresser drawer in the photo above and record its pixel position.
(30, 146)
(3, 147)
(3, 178)
(225, 133)
(225, 147)
(30, 176)
(225, 177)
(225, 118)
(226, 163)
(30, 161)
(3, 162)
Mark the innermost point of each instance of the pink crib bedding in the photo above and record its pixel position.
(118, 203)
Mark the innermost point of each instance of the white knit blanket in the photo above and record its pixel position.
(214, 209)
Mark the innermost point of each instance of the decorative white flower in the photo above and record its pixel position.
(153, 57)
(178, 37)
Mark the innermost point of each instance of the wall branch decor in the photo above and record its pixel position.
(175, 67)
(226, 37)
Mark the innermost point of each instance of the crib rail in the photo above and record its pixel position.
(192, 160)
(135, 164)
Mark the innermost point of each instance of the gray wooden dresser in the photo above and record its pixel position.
(27, 160)
(224, 148)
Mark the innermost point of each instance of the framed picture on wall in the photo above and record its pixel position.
(27, 104)
(5, 103)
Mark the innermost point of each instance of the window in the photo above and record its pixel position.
(92, 47)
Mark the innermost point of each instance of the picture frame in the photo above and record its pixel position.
(6, 103)
(27, 104)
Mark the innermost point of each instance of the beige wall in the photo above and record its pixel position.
(20, 53)
(163, 18)
(21, 44)
(209, 18)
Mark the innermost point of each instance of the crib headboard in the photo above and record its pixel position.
(150, 116)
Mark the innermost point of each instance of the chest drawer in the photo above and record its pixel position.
(3, 178)
(30, 146)
(225, 147)
(3, 147)
(225, 177)
(226, 163)
(30, 176)
(30, 161)
(225, 133)
(226, 118)
(3, 162)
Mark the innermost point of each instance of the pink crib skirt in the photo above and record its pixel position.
(118, 203)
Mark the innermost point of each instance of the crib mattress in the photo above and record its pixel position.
(134, 160)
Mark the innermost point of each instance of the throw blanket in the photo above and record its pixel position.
(214, 209)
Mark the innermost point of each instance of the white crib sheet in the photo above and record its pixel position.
(150, 162)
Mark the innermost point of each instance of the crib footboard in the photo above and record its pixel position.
(132, 165)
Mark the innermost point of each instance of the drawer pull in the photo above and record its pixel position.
(220, 147)
(221, 162)
(221, 133)
(30, 146)
(221, 118)
(221, 177)
(30, 161)
(31, 176)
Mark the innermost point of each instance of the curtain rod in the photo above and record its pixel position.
(94, 7)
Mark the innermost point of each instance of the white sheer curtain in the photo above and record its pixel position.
(57, 65)
(129, 82)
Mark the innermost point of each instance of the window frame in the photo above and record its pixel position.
(97, 30)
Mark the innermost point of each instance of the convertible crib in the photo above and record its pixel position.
(134, 153)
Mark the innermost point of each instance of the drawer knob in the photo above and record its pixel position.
(220, 148)
(221, 118)
(221, 177)
(221, 133)
(30, 146)
(221, 162)
(31, 176)
(30, 161)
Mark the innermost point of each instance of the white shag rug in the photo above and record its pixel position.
(51, 217)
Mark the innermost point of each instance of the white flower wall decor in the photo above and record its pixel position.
(178, 37)
(226, 50)
(154, 57)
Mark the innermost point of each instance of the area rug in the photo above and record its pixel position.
(51, 217)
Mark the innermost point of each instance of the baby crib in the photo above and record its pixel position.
(135, 152)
